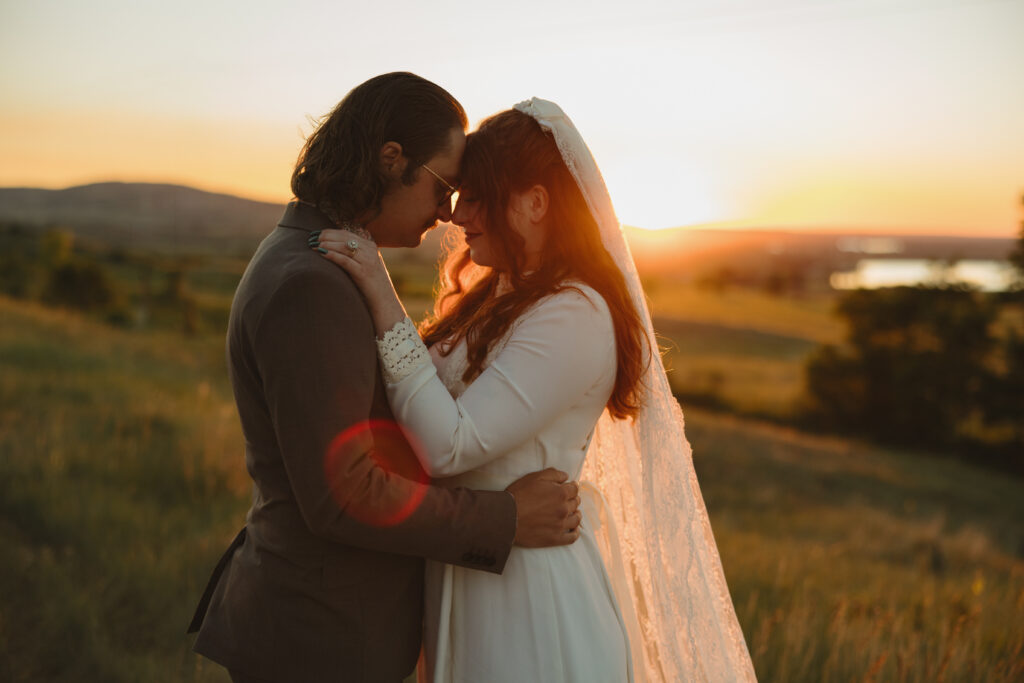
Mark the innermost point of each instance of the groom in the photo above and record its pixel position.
(325, 582)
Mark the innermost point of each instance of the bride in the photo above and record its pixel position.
(540, 353)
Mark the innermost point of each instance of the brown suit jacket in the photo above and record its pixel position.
(325, 582)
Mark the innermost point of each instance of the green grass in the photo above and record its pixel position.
(740, 350)
(744, 371)
(807, 317)
(122, 479)
(848, 562)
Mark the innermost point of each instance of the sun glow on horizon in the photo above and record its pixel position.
(694, 199)
(796, 115)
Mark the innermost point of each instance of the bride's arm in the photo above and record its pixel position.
(557, 352)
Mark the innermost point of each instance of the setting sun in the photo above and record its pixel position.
(743, 402)
(810, 116)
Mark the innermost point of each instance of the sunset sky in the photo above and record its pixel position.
(876, 115)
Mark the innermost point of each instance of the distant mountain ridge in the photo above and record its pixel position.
(144, 214)
(181, 218)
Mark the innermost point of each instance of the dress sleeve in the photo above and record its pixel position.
(401, 352)
(557, 352)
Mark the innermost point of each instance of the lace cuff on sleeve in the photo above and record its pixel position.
(401, 352)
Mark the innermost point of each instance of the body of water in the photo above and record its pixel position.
(872, 273)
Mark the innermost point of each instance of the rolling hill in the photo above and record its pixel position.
(180, 218)
(143, 214)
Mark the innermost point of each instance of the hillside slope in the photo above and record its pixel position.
(122, 478)
(144, 214)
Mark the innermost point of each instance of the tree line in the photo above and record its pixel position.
(934, 367)
(46, 265)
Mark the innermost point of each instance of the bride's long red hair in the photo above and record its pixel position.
(511, 153)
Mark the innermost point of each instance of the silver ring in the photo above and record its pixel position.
(353, 246)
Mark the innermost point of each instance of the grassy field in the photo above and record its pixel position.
(806, 317)
(744, 371)
(121, 479)
(740, 350)
(851, 563)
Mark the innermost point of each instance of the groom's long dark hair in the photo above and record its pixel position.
(338, 169)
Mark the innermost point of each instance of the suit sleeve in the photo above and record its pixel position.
(317, 360)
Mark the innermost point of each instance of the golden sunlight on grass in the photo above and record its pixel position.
(809, 317)
(120, 483)
(850, 562)
(121, 463)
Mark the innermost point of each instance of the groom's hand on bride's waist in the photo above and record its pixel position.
(547, 509)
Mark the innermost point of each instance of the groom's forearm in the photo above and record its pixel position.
(474, 529)
(347, 496)
(352, 499)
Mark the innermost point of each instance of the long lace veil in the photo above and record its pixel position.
(647, 511)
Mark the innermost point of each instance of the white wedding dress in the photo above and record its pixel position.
(552, 614)
(641, 596)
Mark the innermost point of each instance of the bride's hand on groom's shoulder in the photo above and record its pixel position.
(357, 256)
(360, 258)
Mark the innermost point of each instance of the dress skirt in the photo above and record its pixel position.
(550, 616)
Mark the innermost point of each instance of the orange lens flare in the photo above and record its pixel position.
(380, 501)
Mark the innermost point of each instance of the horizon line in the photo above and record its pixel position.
(716, 226)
